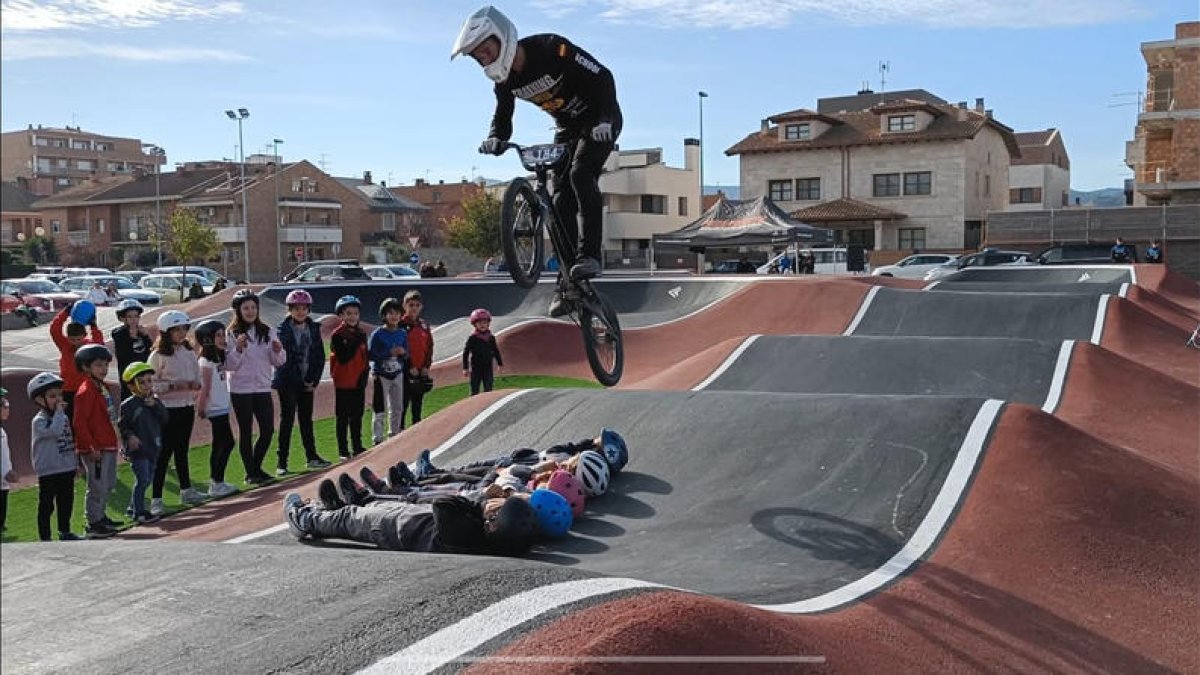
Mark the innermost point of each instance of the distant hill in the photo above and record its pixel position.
(1099, 198)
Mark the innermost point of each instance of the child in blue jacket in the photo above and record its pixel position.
(387, 348)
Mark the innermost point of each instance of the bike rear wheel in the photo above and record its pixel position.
(521, 233)
(602, 340)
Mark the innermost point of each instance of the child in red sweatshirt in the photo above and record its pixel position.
(77, 335)
(94, 427)
(348, 366)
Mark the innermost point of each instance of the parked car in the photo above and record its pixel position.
(172, 288)
(830, 260)
(914, 266)
(988, 257)
(331, 273)
(733, 266)
(305, 266)
(54, 277)
(43, 294)
(392, 271)
(1081, 254)
(207, 272)
(134, 275)
(125, 288)
(69, 272)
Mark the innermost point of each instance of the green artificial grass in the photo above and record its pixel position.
(22, 504)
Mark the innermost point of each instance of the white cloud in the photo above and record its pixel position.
(738, 14)
(22, 48)
(45, 15)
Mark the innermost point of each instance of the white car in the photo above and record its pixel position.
(914, 266)
(988, 257)
(171, 286)
(125, 288)
(392, 271)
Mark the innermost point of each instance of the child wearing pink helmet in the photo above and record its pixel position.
(296, 380)
(481, 349)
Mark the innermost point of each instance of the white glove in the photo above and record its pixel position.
(491, 146)
(602, 133)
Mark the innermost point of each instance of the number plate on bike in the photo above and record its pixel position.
(548, 155)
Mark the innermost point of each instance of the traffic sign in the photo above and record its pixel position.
(414, 258)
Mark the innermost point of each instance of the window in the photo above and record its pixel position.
(987, 186)
(81, 145)
(1024, 195)
(797, 132)
(912, 238)
(654, 204)
(808, 188)
(683, 206)
(100, 225)
(918, 183)
(780, 190)
(437, 197)
(389, 222)
(61, 163)
(887, 185)
(85, 164)
(902, 122)
(44, 142)
(55, 226)
(64, 181)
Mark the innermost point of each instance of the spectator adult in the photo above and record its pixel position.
(439, 270)
(1154, 254)
(1120, 252)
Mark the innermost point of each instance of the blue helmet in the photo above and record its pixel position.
(553, 512)
(346, 301)
(615, 450)
(83, 311)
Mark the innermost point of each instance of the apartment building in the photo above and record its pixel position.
(643, 197)
(1040, 179)
(445, 202)
(389, 218)
(19, 221)
(1165, 151)
(47, 160)
(888, 171)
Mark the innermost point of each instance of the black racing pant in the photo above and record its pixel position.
(348, 407)
(56, 492)
(176, 437)
(248, 409)
(414, 397)
(3, 509)
(295, 402)
(577, 194)
(482, 376)
(222, 447)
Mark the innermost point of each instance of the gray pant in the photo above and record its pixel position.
(393, 399)
(376, 523)
(101, 479)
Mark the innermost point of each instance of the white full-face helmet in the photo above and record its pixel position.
(483, 24)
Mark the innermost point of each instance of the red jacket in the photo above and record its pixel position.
(420, 343)
(348, 357)
(91, 424)
(71, 376)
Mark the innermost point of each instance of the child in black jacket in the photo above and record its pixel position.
(480, 350)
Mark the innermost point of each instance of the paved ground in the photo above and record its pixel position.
(898, 499)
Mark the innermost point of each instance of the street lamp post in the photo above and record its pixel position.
(157, 153)
(278, 224)
(304, 212)
(238, 116)
(702, 96)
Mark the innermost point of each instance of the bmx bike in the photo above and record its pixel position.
(526, 216)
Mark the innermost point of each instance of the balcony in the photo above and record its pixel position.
(230, 234)
(313, 234)
(81, 238)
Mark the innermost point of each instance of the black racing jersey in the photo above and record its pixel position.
(562, 79)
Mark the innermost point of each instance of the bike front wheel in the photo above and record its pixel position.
(521, 231)
(602, 340)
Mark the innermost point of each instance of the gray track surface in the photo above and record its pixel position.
(1001, 368)
(180, 607)
(1047, 274)
(762, 498)
(1032, 316)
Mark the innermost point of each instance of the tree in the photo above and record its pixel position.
(189, 240)
(478, 229)
(41, 250)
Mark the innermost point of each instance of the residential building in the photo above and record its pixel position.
(1040, 179)
(445, 202)
(19, 221)
(643, 197)
(46, 160)
(1165, 151)
(390, 217)
(903, 173)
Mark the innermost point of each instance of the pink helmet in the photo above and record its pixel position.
(298, 297)
(569, 487)
(480, 314)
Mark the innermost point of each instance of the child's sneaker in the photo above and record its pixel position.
(372, 481)
(146, 518)
(69, 536)
(191, 496)
(281, 471)
(110, 523)
(424, 465)
(98, 530)
(352, 493)
(157, 508)
(328, 494)
(318, 463)
(297, 515)
(401, 476)
(221, 489)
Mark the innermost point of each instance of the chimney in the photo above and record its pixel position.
(988, 112)
(979, 105)
(441, 182)
(420, 182)
(766, 126)
(367, 177)
(691, 154)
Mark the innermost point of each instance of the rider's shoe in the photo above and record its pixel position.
(559, 306)
(586, 268)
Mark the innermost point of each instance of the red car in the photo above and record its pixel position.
(47, 296)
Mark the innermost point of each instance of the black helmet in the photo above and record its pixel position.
(206, 332)
(513, 528)
(390, 303)
(89, 354)
(241, 296)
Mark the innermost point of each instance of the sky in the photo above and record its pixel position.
(369, 86)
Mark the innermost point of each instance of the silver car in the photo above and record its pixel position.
(914, 266)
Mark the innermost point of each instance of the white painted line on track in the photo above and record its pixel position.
(1060, 377)
(1098, 325)
(931, 286)
(862, 310)
(1124, 290)
(737, 353)
(467, 428)
(1133, 275)
(455, 640)
(922, 540)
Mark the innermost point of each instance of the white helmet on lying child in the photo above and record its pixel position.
(486, 23)
(592, 471)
